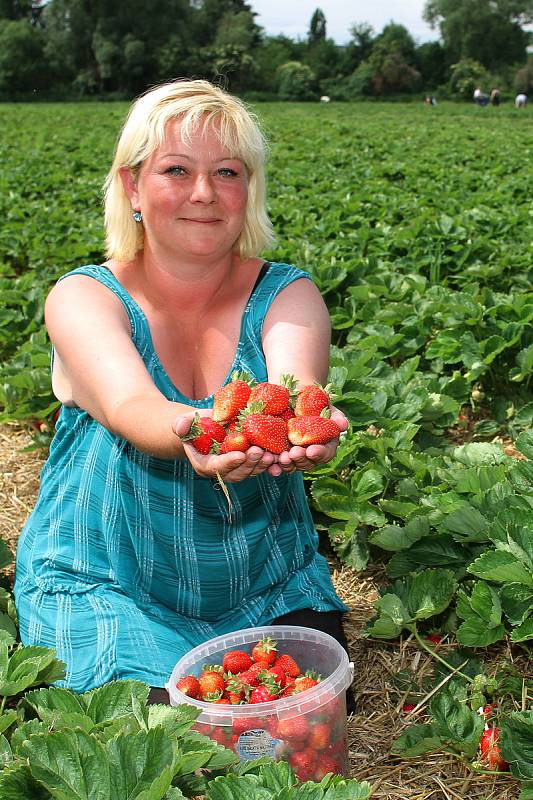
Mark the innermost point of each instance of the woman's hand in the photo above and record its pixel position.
(231, 467)
(307, 458)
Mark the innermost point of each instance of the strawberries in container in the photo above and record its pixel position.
(283, 696)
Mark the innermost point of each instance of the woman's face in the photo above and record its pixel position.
(192, 195)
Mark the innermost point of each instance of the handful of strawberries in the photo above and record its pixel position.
(269, 415)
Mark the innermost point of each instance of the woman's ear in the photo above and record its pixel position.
(129, 182)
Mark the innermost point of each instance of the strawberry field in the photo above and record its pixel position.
(417, 224)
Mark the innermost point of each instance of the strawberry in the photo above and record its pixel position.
(304, 682)
(325, 765)
(490, 750)
(294, 729)
(274, 396)
(265, 652)
(320, 736)
(311, 401)
(249, 676)
(189, 685)
(242, 724)
(232, 397)
(273, 673)
(407, 707)
(237, 440)
(211, 682)
(263, 694)
(266, 431)
(434, 638)
(236, 661)
(304, 431)
(203, 433)
(288, 665)
(304, 763)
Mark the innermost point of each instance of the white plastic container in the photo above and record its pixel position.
(268, 729)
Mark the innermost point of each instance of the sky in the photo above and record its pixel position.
(292, 17)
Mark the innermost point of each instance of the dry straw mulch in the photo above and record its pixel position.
(379, 718)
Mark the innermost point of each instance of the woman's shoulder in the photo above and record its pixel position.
(285, 272)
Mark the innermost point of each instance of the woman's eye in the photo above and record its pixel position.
(176, 170)
(226, 172)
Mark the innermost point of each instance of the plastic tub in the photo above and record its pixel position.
(314, 745)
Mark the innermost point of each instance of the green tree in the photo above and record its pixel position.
(524, 78)
(296, 81)
(272, 53)
(432, 63)
(393, 60)
(465, 76)
(489, 32)
(22, 63)
(317, 27)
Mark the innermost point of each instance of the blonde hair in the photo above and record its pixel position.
(192, 102)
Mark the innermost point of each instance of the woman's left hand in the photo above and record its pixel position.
(307, 458)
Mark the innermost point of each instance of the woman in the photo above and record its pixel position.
(130, 557)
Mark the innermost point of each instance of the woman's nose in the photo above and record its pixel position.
(202, 190)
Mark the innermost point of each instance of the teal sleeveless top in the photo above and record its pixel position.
(128, 561)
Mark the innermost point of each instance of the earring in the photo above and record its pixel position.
(137, 216)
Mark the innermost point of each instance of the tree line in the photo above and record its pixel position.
(72, 49)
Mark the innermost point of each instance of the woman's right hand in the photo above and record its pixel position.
(231, 467)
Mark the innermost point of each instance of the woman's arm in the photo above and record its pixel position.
(98, 368)
(296, 341)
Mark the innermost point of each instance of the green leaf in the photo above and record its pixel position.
(516, 742)
(395, 538)
(350, 543)
(72, 765)
(517, 602)
(430, 592)
(523, 632)
(501, 567)
(141, 765)
(467, 523)
(237, 787)
(472, 633)
(114, 699)
(457, 724)
(417, 740)
(485, 602)
(17, 783)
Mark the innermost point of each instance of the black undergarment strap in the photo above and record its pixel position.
(262, 272)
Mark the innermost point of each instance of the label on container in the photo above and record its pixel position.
(256, 743)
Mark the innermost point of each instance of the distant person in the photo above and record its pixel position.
(430, 100)
(495, 97)
(480, 99)
(520, 100)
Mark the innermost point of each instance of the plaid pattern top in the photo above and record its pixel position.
(128, 560)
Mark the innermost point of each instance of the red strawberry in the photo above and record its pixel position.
(325, 765)
(263, 694)
(304, 763)
(211, 682)
(407, 707)
(203, 433)
(288, 665)
(233, 697)
(304, 431)
(264, 651)
(189, 685)
(237, 440)
(236, 661)
(490, 750)
(273, 673)
(294, 729)
(320, 736)
(249, 677)
(311, 401)
(266, 431)
(232, 397)
(242, 724)
(434, 638)
(274, 396)
(305, 682)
